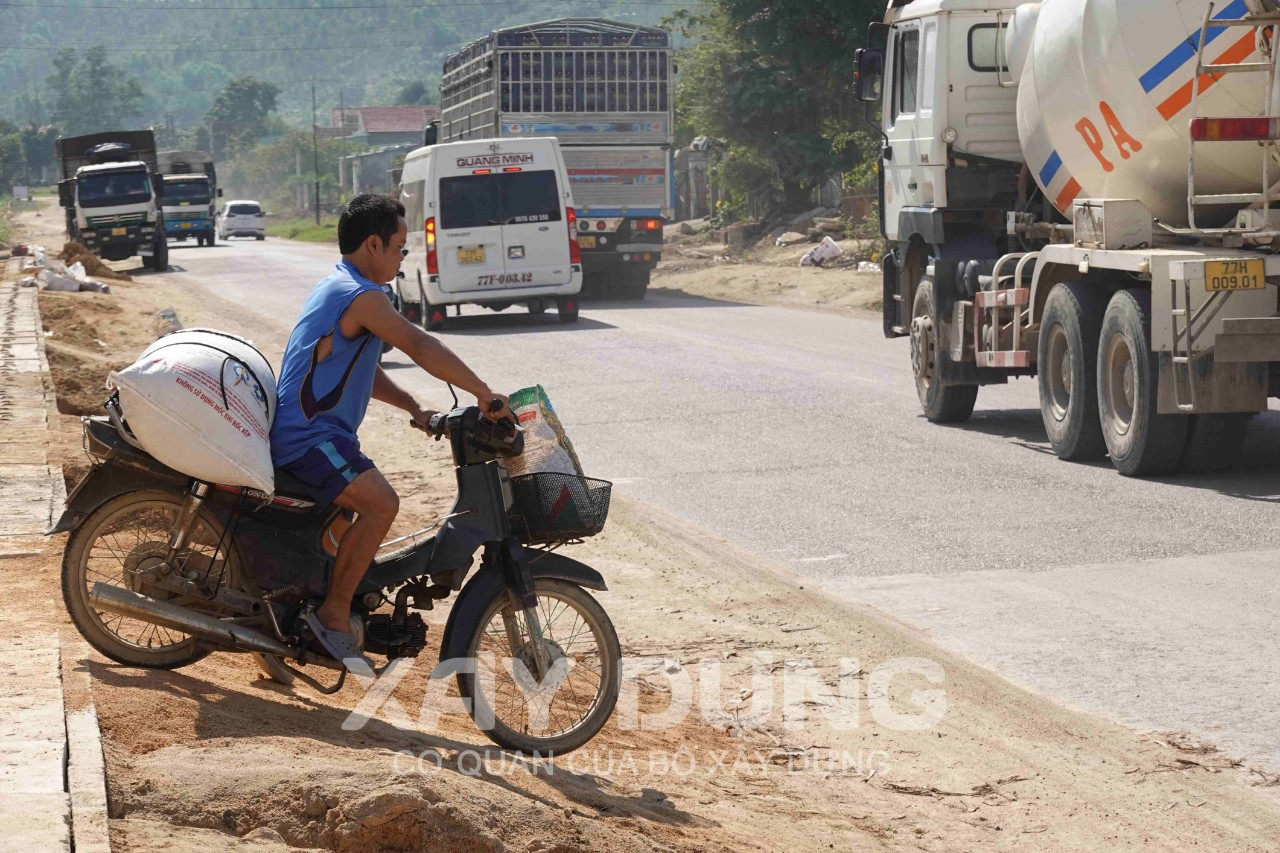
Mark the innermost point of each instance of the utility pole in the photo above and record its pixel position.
(315, 147)
(342, 163)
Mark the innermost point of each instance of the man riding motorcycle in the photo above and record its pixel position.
(330, 372)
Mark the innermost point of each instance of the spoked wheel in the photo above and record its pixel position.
(528, 710)
(942, 403)
(118, 545)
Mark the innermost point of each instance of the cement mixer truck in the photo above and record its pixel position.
(1085, 192)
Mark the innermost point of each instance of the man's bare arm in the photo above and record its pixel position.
(373, 311)
(387, 391)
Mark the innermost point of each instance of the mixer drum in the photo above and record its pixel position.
(1104, 101)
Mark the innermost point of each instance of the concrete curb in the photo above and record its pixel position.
(87, 783)
(53, 794)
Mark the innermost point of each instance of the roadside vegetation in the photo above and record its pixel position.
(303, 228)
(767, 83)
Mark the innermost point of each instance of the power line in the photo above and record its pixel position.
(184, 49)
(438, 4)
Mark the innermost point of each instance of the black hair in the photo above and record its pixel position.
(367, 215)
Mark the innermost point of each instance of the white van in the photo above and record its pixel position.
(491, 222)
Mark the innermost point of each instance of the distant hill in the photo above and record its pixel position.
(183, 51)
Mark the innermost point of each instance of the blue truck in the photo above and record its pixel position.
(189, 193)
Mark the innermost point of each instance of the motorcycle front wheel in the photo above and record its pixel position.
(116, 545)
(571, 703)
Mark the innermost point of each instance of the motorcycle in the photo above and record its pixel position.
(160, 570)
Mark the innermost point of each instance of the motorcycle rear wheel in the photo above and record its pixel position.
(574, 627)
(117, 538)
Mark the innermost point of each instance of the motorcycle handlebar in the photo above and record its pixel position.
(503, 436)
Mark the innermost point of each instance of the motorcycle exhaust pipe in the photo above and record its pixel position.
(124, 602)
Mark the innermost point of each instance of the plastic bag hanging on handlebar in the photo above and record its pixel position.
(546, 447)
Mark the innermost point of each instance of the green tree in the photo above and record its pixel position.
(13, 163)
(240, 114)
(91, 94)
(413, 94)
(773, 79)
(281, 174)
(37, 147)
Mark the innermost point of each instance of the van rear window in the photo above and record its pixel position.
(504, 198)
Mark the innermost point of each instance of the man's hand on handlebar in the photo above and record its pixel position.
(496, 408)
(422, 420)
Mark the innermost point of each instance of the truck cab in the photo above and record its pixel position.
(951, 155)
(114, 209)
(188, 204)
(110, 192)
(1039, 188)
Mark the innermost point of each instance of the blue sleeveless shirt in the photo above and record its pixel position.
(321, 400)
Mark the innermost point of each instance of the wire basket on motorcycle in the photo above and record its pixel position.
(548, 508)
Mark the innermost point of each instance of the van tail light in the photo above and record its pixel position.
(433, 262)
(1235, 129)
(575, 252)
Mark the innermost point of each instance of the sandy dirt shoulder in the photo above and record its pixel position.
(766, 275)
(819, 734)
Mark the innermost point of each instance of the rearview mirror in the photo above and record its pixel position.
(219, 193)
(67, 193)
(868, 79)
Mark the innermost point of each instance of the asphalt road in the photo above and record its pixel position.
(798, 435)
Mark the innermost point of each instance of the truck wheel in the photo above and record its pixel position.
(942, 404)
(1215, 442)
(160, 255)
(1067, 359)
(433, 318)
(595, 285)
(209, 239)
(1140, 439)
(634, 284)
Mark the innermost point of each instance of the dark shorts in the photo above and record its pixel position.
(327, 469)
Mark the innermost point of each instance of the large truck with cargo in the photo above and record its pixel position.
(603, 89)
(109, 189)
(189, 195)
(1084, 191)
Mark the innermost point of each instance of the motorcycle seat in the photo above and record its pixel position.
(288, 486)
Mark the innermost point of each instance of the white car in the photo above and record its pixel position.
(242, 218)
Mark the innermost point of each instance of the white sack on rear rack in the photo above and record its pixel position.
(201, 402)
